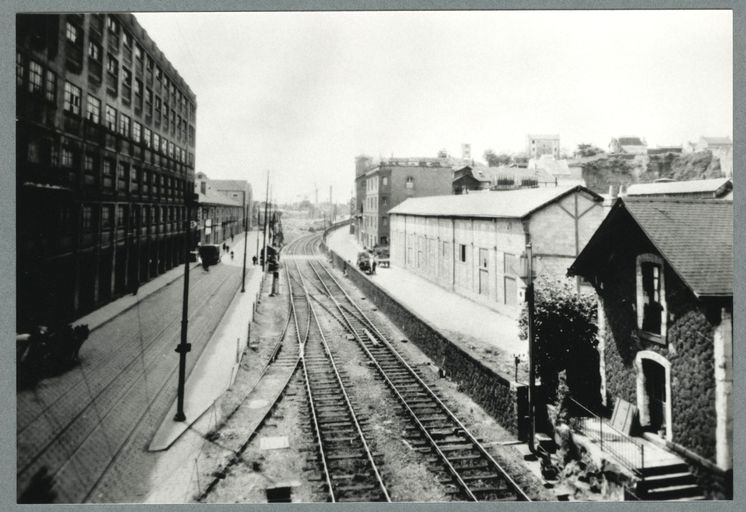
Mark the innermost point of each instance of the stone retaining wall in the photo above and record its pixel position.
(503, 399)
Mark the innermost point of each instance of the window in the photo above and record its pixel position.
(138, 87)
(126, 39)
(112, 24)
(67, 157)
(138, 52)
(112, 65)
(71, 33)
(148, 63)
(136, 131)
(385, 180)
(483, 258)
(105, 217)
(88, 162)
(510, 284)
(19, 70)
(50, 87)
(107, 167)
(121, 215)
(94, 109)
(146, 137)
(32, 154)
(165, 84)
(158, 74)
(156, 141)
(651, 297)
(462, 252)
(164, 145)
(111, 118)
(87, 218)
(126, 77)
(72, 98)
(410, 182)
(158, 105)
(124, 125)
(94, 51)
(34, 76)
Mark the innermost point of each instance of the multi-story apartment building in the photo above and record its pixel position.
(105, 162)
(385, 184)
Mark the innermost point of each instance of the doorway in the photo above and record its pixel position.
(654, 393)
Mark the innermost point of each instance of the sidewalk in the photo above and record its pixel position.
(210, 376)
(485, 333)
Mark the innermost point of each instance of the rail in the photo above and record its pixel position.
(625, 449)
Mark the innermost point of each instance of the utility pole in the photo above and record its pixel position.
(330, 205)
(258, 223)
(266, 206)
(183, 348)
(245, 241)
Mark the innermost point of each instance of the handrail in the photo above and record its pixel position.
(628, 452)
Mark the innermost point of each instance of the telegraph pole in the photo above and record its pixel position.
(266, 207)
(183, 348)
(245, 241)
(531, 354)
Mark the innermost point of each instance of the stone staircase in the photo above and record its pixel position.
(668, 482)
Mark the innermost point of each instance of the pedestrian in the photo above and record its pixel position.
(231, 255)
(374, 263)
(253, 260)
(231, 237)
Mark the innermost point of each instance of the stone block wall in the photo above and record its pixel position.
(500, 397)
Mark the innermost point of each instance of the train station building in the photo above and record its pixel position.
(105, 162)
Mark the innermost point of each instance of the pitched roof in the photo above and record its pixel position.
(492, 174)
(715, 186)
(503, 204)
(630, 141)
(695, 237)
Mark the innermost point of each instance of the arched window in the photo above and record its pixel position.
(410, 182)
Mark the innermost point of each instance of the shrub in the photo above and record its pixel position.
(564, 339)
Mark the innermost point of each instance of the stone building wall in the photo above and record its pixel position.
(688, 349)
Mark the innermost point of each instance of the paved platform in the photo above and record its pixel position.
(460, 319)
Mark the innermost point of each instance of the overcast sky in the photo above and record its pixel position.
(301, 94)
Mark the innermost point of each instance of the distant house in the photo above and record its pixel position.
(663, 271)
(716, 188)
(538, 145)
(628, 145)
(471, 244)
(469, 178)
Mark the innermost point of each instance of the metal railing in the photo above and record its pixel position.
(626, 450)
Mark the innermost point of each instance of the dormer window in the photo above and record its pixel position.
(651, 298)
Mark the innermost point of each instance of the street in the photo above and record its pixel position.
(79, 426)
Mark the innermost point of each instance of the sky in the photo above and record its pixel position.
(300, 94)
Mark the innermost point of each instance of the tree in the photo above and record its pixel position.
(496, 160)
(586, 150)
(564, 339)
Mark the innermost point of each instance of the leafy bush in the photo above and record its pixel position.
(564, 339)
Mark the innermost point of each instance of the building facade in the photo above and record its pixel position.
(385, 184)
(105, 162)
(663, 271)
(543, 145)
(471, 244)
(221, 211)
(470, 178)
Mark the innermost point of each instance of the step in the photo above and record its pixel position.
(673, 492)
(665, 480)
(664, 469)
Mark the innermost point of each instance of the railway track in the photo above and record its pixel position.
(344, 456)
(471, 471)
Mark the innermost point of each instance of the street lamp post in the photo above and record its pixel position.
(183, 347)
